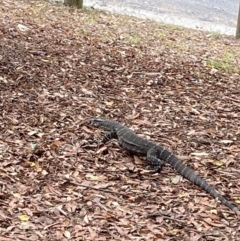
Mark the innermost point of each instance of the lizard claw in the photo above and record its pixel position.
(154, 169)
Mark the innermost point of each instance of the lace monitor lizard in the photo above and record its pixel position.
(155, 155)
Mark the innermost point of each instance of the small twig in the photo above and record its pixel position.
(230, 98)
(147, 73)
(99, 204)
(51, 225)
(235, 173)
(61, 211)
(72, 181)
(165, 216)
(181, 222)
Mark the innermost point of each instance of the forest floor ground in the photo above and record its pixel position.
(179, 87)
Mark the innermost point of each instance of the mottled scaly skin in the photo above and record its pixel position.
(156, 155)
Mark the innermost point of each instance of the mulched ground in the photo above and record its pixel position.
(59, 67)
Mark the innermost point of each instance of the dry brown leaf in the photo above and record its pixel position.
(226, 141)
(176, 179)
(199, 154)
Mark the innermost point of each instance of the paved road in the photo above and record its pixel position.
(212, 15)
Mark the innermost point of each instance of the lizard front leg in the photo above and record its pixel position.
(154, 161)
(110, 135)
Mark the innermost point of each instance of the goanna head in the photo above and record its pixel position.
(105, 124)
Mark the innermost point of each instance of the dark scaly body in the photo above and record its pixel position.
(156, 155)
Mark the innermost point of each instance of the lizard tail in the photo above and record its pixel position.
(190, 174)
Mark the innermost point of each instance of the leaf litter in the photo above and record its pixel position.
(179, 87)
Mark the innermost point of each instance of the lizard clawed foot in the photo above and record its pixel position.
(97, 141)
(154, 169)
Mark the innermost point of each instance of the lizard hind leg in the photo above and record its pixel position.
(153, 160)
